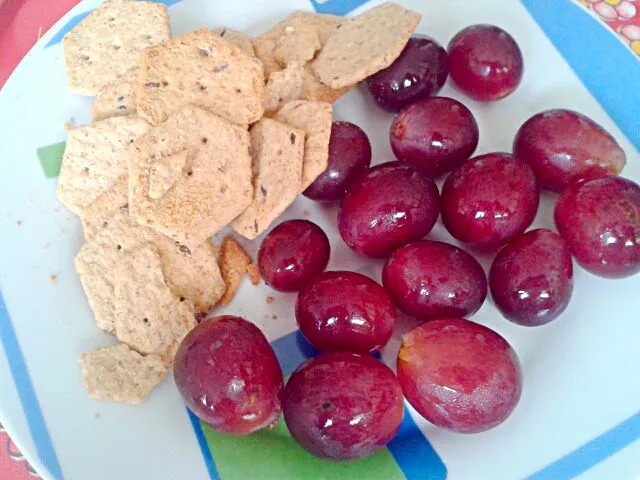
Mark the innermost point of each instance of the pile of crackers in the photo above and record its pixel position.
(191, 134)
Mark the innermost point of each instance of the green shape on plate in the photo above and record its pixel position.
(274, 455)
(50, 158)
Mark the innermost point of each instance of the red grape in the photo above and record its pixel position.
(486, 62)
(489, 200)
(532, 278)
(436, 134)
(343, 406)
(292, 253)
(459, 375)
(419, 72)
(345, 311)
(229, 376)
(349, 157)
(600, 221)
(562, 146)
(392, 204)
(430, 280)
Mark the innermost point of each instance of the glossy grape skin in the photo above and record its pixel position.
(345, 311)
(600, 221)
(531, 278)
(229, 376)
(292, 253)
(349, 157)
(419, 72)
(437, 134)
(563, 146)
(392, 204)
(428, 280)
(343, 406)
(489, 200)
(459, 375)
(486, 62)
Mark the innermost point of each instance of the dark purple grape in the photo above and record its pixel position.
(419, 72)
(600, 221)
(292, 253)
(532, 278)
(563, 146)
(349, 157)
(345, 311)
(489, 200)
(343, 406)
(486, 62)
(392, 204)
(459, 375)
(430, 280)
(229, 376)
(436, 134)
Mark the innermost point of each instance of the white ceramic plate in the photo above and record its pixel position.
(579, 413)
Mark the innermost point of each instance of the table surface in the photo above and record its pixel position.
(23, 22)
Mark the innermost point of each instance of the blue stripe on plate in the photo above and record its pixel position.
(608, 69)
(336, 7)
(27, 395)
(57, 38)
(204, 447)
(593, 452)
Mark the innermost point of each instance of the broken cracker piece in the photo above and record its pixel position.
(213, 187)
(316, 91)
(91, 164)
(254, 274)
(365, 44)
(277, 150)
(283, 86)
(191, 273)
(120, 374)
(149, 317)
(236, 38)
(116, 99)
(200, 68)
(315, 119)
(109, 203)
(297, 45)
(234, 263)
(108, 43)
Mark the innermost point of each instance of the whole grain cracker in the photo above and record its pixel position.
(213, 187)
(116, 99)
(297, 45)
(365, 44)
(92, 163)
(315, 119)
(191, 273)
(149, 317)
(234, 263)
(97, 214)
(283, 86)
(314, 90)
(239, 39)
(120, 374)
(200, 68)
(265, 44)
(277, 151)
(108, 43)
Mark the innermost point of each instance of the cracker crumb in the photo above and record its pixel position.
(18, 222)
(254, 274)
(269, 299)
(306, 214)
(53, 279)
(70, 125)
(274, 317)
(234, 263)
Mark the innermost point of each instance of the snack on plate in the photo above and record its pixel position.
(91, 164)
(121, 374)
(283, 86)
(316, 91)
(277, 150)
(200, 68)
(98, 213)
(107, 44)
(315, 119)
(200, 168)
(116, 99)
(234, 263)
(149, 317)
(190, 272)
(296, 45)
(365, 44)
(236, 38)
